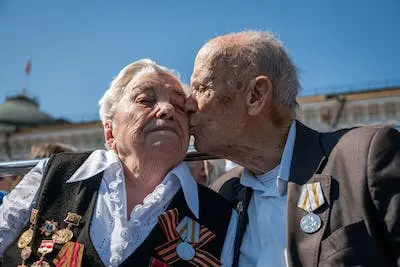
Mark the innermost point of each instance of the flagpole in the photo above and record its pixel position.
(28, 67)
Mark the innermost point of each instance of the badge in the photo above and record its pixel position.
(46, 247)
(311, 198)
(62, 236)
(49, 227)
(26, 237)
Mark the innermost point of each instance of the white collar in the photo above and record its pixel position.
(99, 160)
(249, 180)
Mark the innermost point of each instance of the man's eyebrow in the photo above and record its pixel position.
(180, 92)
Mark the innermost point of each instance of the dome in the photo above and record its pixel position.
(22, 111)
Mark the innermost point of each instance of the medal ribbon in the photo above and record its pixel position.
(168, 222)
(311, 197)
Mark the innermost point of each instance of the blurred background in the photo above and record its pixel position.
(58, 57)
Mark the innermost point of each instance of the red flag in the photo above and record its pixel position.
(28, 67)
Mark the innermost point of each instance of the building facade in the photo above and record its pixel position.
(321, 112)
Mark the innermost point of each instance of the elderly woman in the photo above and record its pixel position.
(133, 205)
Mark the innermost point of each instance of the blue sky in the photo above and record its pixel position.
(77, 47)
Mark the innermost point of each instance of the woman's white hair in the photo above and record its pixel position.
(116, 91)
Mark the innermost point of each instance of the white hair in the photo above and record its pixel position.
(116, 91)
(253, 53)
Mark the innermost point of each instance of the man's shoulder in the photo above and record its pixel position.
(358, 136)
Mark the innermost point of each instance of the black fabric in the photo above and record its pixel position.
(56, 198)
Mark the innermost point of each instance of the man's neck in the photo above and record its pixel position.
(258, 150)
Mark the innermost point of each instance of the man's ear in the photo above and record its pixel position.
(109, 135)
(258, 94)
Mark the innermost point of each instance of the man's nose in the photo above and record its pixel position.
(165, 110)
(191, 105)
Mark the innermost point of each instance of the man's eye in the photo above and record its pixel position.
(144, 101)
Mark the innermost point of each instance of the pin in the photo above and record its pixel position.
(49, 227)
(46, 247)
(26, 237)
(311, 198)
(62, 236)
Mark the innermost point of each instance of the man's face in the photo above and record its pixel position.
(150, 118)
(218, 118)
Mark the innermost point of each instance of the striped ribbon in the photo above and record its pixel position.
(70, 255)
(311, 197)
(168, 221)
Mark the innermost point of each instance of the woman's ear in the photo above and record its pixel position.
(258, 95)
(109, 135)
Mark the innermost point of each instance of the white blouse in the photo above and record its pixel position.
(113, 235)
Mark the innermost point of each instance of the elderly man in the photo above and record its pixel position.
(305, 198)
(133, 205)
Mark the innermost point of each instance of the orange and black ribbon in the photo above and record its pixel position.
(168, 221)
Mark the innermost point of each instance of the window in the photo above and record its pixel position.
(374, 114)
(390, 111)
(358, 114)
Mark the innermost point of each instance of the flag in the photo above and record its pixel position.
(28, 67)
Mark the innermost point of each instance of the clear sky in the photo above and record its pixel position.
(77, 46)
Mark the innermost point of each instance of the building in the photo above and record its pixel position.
(376, 106)
(22, 124)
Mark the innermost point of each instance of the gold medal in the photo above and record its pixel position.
(62, 236)
(25, 238)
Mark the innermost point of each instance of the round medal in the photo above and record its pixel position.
(310, 223)
(62, 236)
(25, 238)
(185, 251)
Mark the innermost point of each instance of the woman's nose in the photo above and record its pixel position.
(165, 110)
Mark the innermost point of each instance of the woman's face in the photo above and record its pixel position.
(150, 118)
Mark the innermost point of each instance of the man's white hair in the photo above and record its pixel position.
(253, 53)
(116, 91)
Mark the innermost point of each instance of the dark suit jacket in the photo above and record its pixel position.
(361, 185)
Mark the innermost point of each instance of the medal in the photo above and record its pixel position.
(311, 198)
(26, 237)
(63, 236)
(49, 227)
(46, 247)
(310, 223)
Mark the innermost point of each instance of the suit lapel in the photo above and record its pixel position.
(303, 248)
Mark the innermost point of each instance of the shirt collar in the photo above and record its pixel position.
(99, 160)
(248, 179)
